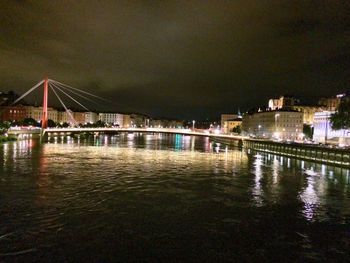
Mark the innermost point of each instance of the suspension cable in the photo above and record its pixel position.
(75, 93)
(85, 92)
(29, 91)
(67, 87)
(69, 96)
(68, 112)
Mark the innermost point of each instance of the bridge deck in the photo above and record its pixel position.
(145, 130)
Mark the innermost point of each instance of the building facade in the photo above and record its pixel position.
(79, 117)
(138, 120)
(66, 117)
(164, 123)
(331, 104)
(13, 113)
(112, 118)
(126, 121)
(308, 112)
(230, 124)
(225, 117)
(36, 113)
(90, 117)
(283, 102)
(323, 132)
(278, 124)
(274, 104)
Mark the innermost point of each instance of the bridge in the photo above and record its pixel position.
(76, 130)
(56, 87)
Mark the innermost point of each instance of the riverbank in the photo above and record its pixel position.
(331, 156)
(315, 153)
(4, 138)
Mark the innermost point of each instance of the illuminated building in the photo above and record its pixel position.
(331, 104)
(283, 102)
(277, 124)
(274, 104)
(12, 113)
(323, 132)
(225, 117)
(138, 120)
(291, 103)
(79, 117)
(230, 124)
(37, 112)
(164, 123)
(65, 117)
(308, 112)
(90, 117)
(126, 121)
(112, 118)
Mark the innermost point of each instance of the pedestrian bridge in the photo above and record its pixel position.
(196, 132)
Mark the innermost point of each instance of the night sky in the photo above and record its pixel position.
(185, 59)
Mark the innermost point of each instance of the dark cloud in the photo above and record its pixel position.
(192, 59)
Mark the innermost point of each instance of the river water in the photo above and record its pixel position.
(168, 198)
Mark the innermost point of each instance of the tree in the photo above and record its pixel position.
(51, 123)
(16, 123)
(100, 123)
(4, 126)
(308, 131)
(341, 119)
(29, 122)
(237, 129)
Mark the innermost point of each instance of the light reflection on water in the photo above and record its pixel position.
(138, 189)
(257, 191)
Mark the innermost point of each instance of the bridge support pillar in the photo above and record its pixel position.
(44, 119)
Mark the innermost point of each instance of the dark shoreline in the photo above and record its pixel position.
(7, 138)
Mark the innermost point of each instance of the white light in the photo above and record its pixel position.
(217, 131)
(276, 135)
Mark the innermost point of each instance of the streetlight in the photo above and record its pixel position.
(276, 118)
(193, 122)
(276, 130)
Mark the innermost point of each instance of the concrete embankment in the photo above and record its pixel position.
(321, 154)
(315, 153)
